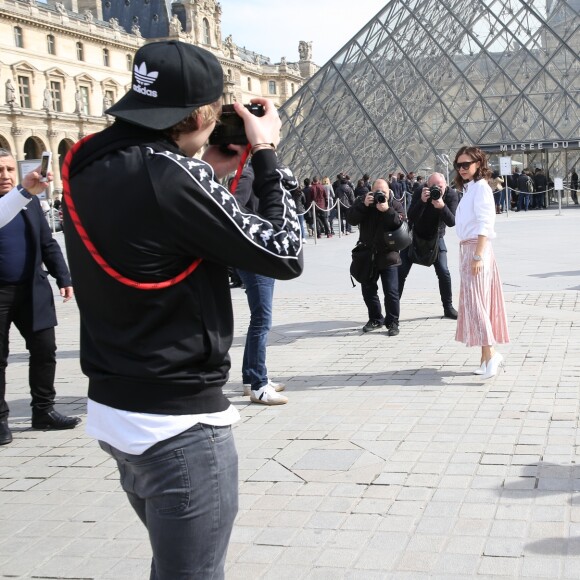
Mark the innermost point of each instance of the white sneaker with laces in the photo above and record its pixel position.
(276, 386)
(267, 396)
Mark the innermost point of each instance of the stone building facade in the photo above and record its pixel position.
(62, 64)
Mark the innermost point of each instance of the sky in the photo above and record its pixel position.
(274, 27)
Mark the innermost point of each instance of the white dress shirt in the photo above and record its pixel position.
(476, 212)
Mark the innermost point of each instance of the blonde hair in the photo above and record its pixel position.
(208, 114)
(325, 181)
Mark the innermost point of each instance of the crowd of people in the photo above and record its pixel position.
(156, 351)
(528, 189)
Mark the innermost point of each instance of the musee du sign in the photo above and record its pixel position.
(532, 146)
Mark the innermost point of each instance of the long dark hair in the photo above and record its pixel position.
(476, 154)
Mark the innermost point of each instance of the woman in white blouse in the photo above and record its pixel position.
(481, 318)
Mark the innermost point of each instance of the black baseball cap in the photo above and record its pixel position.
(170, 79)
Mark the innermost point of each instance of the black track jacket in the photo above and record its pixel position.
(150, 211)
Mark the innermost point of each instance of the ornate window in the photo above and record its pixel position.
(80, 51)
(50, 44)
(206, 31)
(129, 60)
(106, 58)
(56, 95)
(249, 84)
(84, 102)
(272, 87)
(18, 38)
(24, 91)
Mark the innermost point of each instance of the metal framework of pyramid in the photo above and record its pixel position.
(424, 77)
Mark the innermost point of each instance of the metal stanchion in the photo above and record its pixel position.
(314, 225)
(338, 204)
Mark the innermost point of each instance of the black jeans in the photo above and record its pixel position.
(389, 279)
(441, 270)
(16, 306)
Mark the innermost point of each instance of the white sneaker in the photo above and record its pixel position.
(267, 396)
(276, 386)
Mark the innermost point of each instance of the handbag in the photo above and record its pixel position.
(424, 251)
(399, 239)
(363, 265)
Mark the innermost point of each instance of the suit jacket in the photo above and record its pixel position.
(46, 250)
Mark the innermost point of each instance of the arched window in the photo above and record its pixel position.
(18, 38)
(206, 32)
(272, 87)
(249, 84)
(80, 51)
(106, 60)
(50, 44)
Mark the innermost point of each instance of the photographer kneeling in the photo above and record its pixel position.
(376, 213)
(432, 209)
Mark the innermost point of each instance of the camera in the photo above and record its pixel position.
(229, 130)
(379, 196)
(435, 192)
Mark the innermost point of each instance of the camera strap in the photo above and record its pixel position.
(94, 252)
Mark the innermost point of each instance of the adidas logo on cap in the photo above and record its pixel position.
(144, 79)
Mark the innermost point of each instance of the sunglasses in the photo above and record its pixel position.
(464, 165)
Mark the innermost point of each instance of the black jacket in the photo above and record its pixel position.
(150, 211)
(373, 224)
(45, 251)
(427, 220)
(524, 182)
(345, 194)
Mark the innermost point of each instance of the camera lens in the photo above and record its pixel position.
(435, 192)
(380, 197)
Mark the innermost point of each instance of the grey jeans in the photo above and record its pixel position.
(185, 491)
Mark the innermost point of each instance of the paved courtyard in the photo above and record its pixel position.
(391, 459)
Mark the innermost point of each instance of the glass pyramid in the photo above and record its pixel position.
(424, 77)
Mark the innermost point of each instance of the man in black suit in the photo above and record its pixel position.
(26, 299)
(429, 218)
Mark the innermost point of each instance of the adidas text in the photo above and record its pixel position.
(144, 91)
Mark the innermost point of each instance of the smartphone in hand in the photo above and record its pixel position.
(45, 165)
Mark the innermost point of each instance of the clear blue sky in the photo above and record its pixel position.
(274, 27)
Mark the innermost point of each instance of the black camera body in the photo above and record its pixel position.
(379, 196)
(229, 130)
(435, 192)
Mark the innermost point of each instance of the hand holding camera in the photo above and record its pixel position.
(435, 194)
(379, 199)
(256, 123)
(262, 129)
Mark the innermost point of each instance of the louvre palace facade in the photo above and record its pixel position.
(425, 77)
(63, 63)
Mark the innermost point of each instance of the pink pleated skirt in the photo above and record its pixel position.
(481, 319)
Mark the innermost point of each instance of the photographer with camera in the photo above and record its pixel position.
(432, 210)
(375, 214)
(153, 294)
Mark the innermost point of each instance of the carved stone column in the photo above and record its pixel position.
(16, 133)
(53, 144)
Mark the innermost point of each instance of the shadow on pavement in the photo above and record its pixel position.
(547, 479)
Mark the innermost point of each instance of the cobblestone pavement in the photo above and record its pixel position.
(391, 459)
